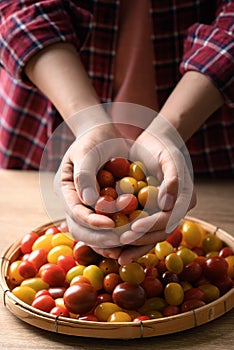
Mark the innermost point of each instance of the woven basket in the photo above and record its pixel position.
(112, 330)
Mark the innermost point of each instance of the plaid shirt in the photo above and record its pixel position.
(190, 35)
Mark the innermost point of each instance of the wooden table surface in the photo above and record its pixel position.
(21, 210)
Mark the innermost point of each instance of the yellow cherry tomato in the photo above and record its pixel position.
(119, 316)
(44, 242)
(58, 250)
(230, 261)
(24, 293)
(63, 238)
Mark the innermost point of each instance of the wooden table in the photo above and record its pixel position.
(21, 210)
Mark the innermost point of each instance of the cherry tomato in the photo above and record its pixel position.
(27, 242)
(171, 310)
(80, 298)
(24, 293)
(141, 318)
(191, 304)
(104, 310)
(194, 293)
(105, 205)
(60, 311)
(44, 242)
(79, 279)
(155, 303)
(62, 238)
(152, 181)
(128, 185)
(105, 178)
(162, 249)
(137, 170)
(38, 257)
(230, 261)
(95, 275)
(153, 286)
(119, 167)
(224, 284)
(90, 318)
(52, 274)
(191, 272)
(119, 316)
(174, 263)
(120, 219)
(126, 203)
(225, 252)
(27, 269)
(109, 191)
(35, 283)
(44, 303)
(57, 251)
(129, 296)
(103, 298)
(192, 234)
(52, 230)
(175, 237)
(111, 281)
(85, 255)
(211, 243)
(148, 260)
(173, 294)
(148, 198)
(74, 271)
(187, 255)
(215, 268)
(57, 292)
(13, 273)
(66, 262)
(132, 272)
(168, 277)
(108, 265)
(211, 292)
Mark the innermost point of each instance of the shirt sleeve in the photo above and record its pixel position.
(209, 49)
(28, 26)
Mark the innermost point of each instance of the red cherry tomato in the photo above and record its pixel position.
(44, 303)
(105, 205)
(194, 293)
(105, 178)
(126, 203)
(111, 281)
(85, 255)
(60, 311)
(38, 257)
(27, 269)
(226, 251)
(175, 237)
(141, 318)
(119, 167)
(108, 191)
(215, 268)
(66, 262)
(52, 274)
(52, 230)
(27, 242)
(191, 304)
(171, 310)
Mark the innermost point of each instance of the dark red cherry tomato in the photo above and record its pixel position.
(80, 298)
(105, 178)
(119, 167)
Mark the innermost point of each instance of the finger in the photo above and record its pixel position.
(86, 170)
(93, 237)
(130, 237)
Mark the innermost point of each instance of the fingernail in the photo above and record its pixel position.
(166, 202)
(89, 195)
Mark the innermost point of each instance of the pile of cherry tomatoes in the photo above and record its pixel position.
(58, 275)
(126, 191)
(63, 277)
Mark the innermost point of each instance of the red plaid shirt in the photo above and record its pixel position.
(190, 35)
